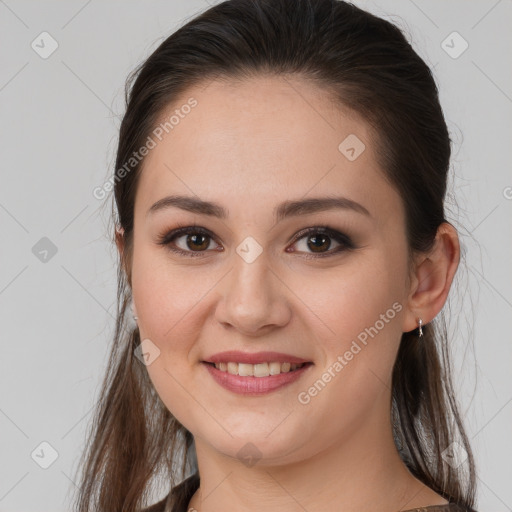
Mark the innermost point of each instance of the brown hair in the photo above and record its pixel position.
(368, 66)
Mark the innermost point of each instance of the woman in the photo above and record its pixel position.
(279, 200)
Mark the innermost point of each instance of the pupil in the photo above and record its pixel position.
(318, 242)
(195, 238)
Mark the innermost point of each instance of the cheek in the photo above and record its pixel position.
(169, 306)
(363, 309)
(169, 298)
(351, 299)
(338, 307)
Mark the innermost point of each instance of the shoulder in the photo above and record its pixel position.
(454, 507)
(177, 500)
(449, 507)
(157, 507)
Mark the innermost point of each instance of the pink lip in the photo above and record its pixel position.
(236, 356)
(254, 385)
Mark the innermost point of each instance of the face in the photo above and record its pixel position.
(254, 281)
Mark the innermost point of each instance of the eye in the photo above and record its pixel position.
(197, 240)
(319, 238)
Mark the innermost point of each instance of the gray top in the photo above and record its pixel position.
(178, 499)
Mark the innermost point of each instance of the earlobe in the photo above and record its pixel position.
(120, 239)
(433, 278)
(134, 310)
(120, 243)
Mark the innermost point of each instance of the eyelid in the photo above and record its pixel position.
(169, 236)
(345, 241)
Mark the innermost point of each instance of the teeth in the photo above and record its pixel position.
(275, 368)
(245, 370)
(257, 370)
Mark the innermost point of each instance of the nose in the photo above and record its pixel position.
(253, 298)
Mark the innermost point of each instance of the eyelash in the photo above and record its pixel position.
(341, 238)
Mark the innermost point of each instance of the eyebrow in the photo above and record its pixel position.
(280, 212)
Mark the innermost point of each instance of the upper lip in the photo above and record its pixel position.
(254, 358)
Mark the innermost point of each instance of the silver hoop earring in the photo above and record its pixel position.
(420, 323)
(134, 312)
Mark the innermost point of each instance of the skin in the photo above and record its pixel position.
(249, 146)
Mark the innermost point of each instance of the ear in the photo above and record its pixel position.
(432, 278)
(120, 243)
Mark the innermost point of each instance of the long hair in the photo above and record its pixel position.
(366, 64)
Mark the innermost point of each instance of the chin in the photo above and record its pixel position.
(261, 448)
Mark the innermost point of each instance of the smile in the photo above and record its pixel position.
(257, 370)
(237, 377)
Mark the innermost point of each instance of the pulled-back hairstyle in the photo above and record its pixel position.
(365, 64)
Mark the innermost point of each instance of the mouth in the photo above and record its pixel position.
(256, 379)
(265, 369)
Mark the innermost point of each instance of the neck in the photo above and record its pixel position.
(359, 473)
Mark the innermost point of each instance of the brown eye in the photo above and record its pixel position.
(196, 241)
(318, 243)
(319, 240)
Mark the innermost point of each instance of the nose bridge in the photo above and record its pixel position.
(252, 296)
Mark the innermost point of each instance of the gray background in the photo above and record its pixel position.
(60, 117)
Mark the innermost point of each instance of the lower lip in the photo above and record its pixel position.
(255, 385)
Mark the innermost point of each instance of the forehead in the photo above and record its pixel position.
(258, 139)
